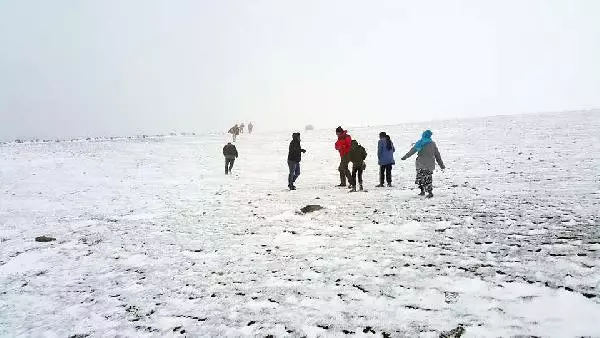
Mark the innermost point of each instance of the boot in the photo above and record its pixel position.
(422, 193)
(292, 187)
(429, 195)
(389, 185)
(361, 187)
(352, 188)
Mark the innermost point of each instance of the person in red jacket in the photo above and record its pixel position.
(343, 145)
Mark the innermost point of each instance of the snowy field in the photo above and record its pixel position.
(152, 239)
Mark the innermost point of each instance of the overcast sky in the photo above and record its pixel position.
(119, 67)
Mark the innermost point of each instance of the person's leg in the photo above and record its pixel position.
(346, 170)
(291, 166)
(419, 181)
(353, 176)
(342, 172)
(388, 173)
(231, 162)
(360, 179)
(296, 172)
(428, 183)
(381, 173)
(226, 166)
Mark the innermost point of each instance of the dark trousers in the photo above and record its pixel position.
(357, 170)
(385, 171)
(294, 172)
(344, 171)
(229, 165)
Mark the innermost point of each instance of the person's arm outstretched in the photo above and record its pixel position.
(410, 153)
(438, 157)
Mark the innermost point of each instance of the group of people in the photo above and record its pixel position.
(238, 129)
(351, 151)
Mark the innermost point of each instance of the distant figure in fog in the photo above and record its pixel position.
(242, 126)
(230, 152)
(250, 128)
(428, 154)
(294, 158)
(357, 156)
(234, 131)
(385, 157)
(342, 145)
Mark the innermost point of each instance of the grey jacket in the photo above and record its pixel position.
(427, 157)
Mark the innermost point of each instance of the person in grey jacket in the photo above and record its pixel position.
(428, 154)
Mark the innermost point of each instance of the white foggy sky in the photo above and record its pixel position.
(120, 67)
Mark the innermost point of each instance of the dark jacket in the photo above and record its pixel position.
(295, 153)
(230, 151)
(357, 153)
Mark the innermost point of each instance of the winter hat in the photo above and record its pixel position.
(425, 140)
(295, 136)
(339, 130)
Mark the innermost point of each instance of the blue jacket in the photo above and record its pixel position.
(385, 155)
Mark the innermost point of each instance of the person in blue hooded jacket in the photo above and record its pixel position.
(385, 156)
(428, 155)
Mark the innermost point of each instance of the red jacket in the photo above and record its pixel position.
(343, 143)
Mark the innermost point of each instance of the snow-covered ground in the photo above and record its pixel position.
(152, 239)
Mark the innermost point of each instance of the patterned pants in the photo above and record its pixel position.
(424, 180)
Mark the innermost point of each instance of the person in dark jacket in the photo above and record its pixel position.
(230, 152)
(343, 146)
(357, 156)
(428, 155)
(294, 158)
(385, 157)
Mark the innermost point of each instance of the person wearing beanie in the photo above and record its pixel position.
(294, 158)
(428, 155)
(343, 145)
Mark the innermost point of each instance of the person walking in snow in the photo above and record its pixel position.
(230, 152)
(428, 155)
(342, 145)
(242, 126)
(250, 128)
(385, 157)
(294, 158)
(357, 156)
(234, 131)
